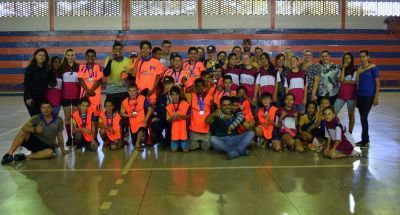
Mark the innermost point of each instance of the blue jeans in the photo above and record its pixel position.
(183, 143)
(236, 143)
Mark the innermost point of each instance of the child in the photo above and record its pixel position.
(159, 121)
(267, 115)
(340, 143)
(289, 121)
(307, 129)
(232, 69)
(53, 93)
(178, 112)
(177, 72)
(201, 107)
(90, 77)
(245, 105)
(226, 91)
(110, 126)
(134, 108)
(268, 78)
(195, 67)
(82, 124)
(296, 84)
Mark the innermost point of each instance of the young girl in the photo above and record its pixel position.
(348, 88)
(340, 143)
(83, 126)
(295, 83)
(178, 112)
(134, 108)
(268, 78)
(53, 93)
(248, 77)
(267, 114)
(70, 89)
(289, 123)
(232, 69)
(307, 121)
(110, 126)
(245, 104)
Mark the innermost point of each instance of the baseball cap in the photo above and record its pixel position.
(211, 48)
(168, 80)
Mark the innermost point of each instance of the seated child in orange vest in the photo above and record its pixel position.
(82, 125)
(110, 126)
(267, 116)
(134, 108)
(178, 113)
(245, 104)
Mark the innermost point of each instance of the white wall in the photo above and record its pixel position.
(188, 22)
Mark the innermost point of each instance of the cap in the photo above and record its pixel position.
(168, 80)
(134, 54)
(211, 48)
(174, 54)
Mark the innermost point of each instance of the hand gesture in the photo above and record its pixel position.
(39, 129)
(29, 102)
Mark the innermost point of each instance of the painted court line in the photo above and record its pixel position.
(113, 192)
(126, 170)
(105, 205)
(119, 181)
(130, 162)
(9, 131)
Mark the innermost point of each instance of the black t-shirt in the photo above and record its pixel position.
(220, 127)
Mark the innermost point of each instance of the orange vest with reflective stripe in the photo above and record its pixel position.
(114, 124)
(267, 131)
(198, 122)
(79, 123)
(179, 127)
(138, 105)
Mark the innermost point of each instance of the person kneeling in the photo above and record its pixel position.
(83, 126)
(110, 126)
(38, 135)
(225, 138)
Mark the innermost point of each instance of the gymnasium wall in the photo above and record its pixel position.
(336, 25)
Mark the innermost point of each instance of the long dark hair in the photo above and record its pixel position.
(52, 79)
(64, 63)
(33, 61)
(350, 68)
(271, 67)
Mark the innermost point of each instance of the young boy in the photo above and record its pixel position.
(159, 122)
(226, 91)
(82, 126)
(267, 117)
(134, 108)
(147, 71)
(90, 78)
(177, 72)
(110, 126)
(178, 112)
(245, 105)
(201, 107)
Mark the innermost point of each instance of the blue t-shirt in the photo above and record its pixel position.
(366, 82)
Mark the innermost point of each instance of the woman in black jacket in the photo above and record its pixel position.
(35, 81)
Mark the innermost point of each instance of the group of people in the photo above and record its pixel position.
(231, 103)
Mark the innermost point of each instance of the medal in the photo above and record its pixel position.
(201, 112)
(134, 113)
(200, 101)
(90, 80)
(241, 107)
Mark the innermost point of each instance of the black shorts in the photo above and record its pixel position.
(69, 102)
(34, 144)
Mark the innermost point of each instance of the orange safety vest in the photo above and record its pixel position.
(115, 120)
(131, 105)
(267, 131)
(80, 123)
(179, 127)
(219, 95)
(248, 115)
(198, 121)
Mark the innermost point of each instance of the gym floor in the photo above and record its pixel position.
(160, 182)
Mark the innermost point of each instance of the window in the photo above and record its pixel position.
(235, 7)
(88, 8)
(163, 7)
(373, 8)
(27, 8)
(308, 7)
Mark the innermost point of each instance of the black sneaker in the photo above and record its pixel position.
(362, 144)
(7, 158)
(69, 142)
(19, 157)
